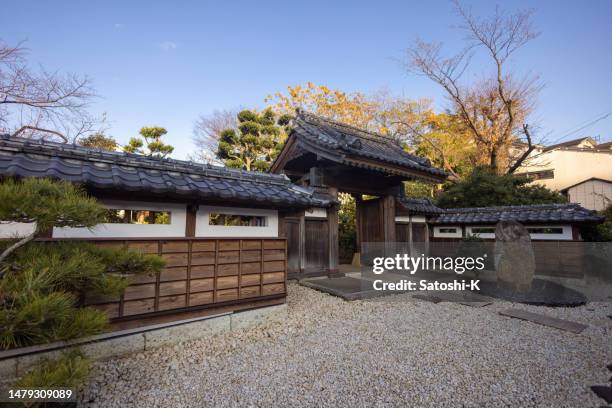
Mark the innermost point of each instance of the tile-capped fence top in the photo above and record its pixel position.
(345, 141)
(117, 171)
(420, 206)
(540, 213)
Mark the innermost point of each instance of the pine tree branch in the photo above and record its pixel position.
(14, 247)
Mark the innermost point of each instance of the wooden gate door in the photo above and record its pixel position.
(291, 231)
(317, 246)
(370, 221)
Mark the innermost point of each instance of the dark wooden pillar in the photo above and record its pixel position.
(426, 238)
(302, 242)
(190, 220)
(410, 236)
(388, 218)
(358, 234)
(332, 220)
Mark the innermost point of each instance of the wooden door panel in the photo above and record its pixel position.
(317, 245)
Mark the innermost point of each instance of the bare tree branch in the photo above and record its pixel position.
(526, 153)
(492, 109)
(42, 102)
(206, 132)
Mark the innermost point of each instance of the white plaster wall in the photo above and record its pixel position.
(316, 213)
(594, 194)
(566, 235)
(176, 228)
(438, 234)
(570, 166)
(205, 230)
(16, 229)
(406, 218)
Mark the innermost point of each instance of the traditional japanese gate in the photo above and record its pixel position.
(330, 157)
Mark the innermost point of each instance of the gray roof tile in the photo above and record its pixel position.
(21, 157)
(540, 213)
(339, 138)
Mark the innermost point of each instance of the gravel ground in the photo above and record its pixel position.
(389, 352)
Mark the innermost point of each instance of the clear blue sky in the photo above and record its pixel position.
(165, 63)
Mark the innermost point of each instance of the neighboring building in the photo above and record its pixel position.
(594, 193)
(569, 164)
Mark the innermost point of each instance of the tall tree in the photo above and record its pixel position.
(350, 108)
(207, 132)
(150, 144)
(99, 141)
(43, 104)
(255, 143)
(494, 110)
(483, 188)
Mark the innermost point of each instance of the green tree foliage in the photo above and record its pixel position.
(600, 232)
(150, 144)
(43, 284)
(257, 141)
(68, 371)
(47, 204)
(99, 141)
(418, 189)
(347, 239)
(483, 188)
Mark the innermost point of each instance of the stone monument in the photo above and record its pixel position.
(514, 258)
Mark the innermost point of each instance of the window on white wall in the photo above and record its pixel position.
(482, 230)
(544, 232)
(447, 232)
(133, 219)
(213, 221)
(122, 216)
(237, 220)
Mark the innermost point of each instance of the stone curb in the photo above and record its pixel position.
(14, 363)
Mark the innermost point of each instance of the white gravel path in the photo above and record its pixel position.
(389, 352)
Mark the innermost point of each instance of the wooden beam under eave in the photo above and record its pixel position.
(391, 169)
(284, 155)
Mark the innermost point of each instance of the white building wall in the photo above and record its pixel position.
(205, 230)
(592, 194)
(176, 228)
(570, 166)
(16, 229)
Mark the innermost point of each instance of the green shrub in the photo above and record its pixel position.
(71, 371)
(44, 283)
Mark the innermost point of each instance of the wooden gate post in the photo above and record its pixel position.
(388, 218)
(332, 219)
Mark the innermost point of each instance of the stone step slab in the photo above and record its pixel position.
(544, 320)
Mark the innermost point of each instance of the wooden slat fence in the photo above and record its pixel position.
(199, 273)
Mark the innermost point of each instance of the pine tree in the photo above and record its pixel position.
(151, 136)
(99, 141)
(43, 284)
(257, 142)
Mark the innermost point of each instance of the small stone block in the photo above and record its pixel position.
(603, 392)
(544, 320)
(428, 298)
